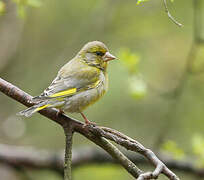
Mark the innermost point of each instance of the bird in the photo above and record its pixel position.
(79, 83)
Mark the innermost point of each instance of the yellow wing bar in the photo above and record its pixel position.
(65, 93)
(73, 90)
(42, 107)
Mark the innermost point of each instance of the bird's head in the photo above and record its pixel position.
(96, 54)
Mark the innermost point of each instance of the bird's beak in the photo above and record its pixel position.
(108, 57)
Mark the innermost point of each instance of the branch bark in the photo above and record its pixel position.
(68, 131)
(96, 135)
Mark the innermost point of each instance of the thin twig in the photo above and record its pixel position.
(170, 16)
(68, 151)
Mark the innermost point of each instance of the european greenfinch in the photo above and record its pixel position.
(79, 83)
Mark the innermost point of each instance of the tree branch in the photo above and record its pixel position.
(170, 16)
(131, 144)
(19, 156)
(96, 134)
(68, 131)
(22, 157)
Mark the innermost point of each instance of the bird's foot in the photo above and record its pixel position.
(60, 112)
(89, 123)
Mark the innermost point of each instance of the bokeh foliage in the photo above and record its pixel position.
(152, 55)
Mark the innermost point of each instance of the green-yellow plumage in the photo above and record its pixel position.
(79, 83)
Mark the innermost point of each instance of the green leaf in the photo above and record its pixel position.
(198, 146)
(139, 1)
(21, 2)
(2, 7)
(197, 56)
(172, 148)
(137, 87)
(130, 60)
(34, 3)
(21, 11)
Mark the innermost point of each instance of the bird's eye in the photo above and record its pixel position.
(99, 53)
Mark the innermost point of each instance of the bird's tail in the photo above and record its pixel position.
(42, 105)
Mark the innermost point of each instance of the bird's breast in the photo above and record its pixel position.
(82, 100)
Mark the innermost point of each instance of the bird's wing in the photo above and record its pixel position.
(71, 83)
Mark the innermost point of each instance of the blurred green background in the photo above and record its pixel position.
(43, 39)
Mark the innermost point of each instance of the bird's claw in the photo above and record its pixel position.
(89, 124)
